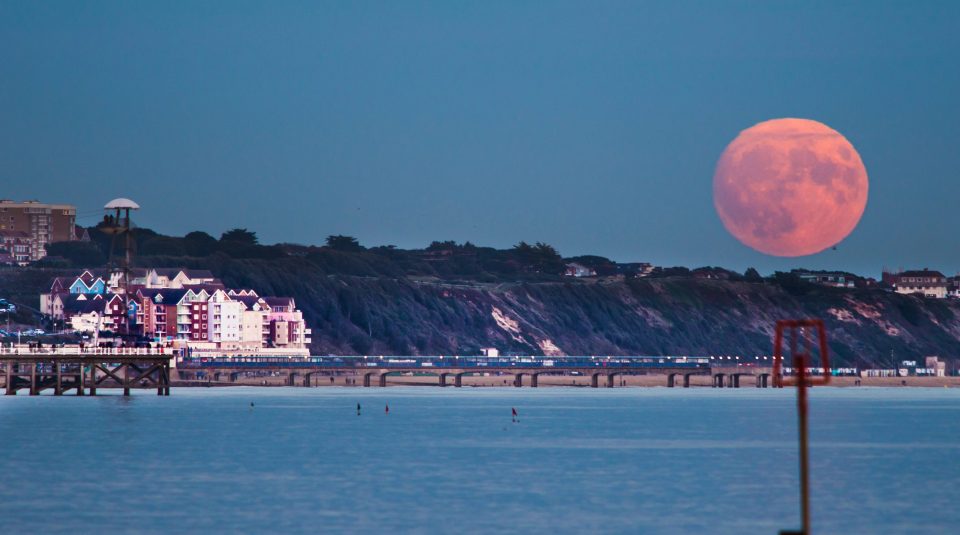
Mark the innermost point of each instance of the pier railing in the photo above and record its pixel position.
(87, 351)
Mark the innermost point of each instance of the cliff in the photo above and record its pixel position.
(451, 299)
(655, 316)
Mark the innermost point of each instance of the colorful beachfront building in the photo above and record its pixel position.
(190, 309)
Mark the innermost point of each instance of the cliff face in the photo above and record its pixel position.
(664, 316)
(659, 316)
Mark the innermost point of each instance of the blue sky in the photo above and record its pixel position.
(592, 126)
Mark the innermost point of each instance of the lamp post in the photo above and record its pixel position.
(96, 330)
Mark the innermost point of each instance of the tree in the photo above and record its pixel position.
(199, 243)
(240, 235)
(163, 246)
(442, 245)
(539, 258)
(78, 253)
(344, 243)
(751, 275)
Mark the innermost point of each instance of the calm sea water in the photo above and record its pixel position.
(636, 460)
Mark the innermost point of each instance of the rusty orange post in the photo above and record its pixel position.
(802, 359)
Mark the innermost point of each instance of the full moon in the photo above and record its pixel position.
(790, 187)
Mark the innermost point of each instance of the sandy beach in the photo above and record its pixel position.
(582, 381)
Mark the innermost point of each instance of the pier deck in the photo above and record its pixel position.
(84, 371)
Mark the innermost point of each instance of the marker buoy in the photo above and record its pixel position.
(387, 409)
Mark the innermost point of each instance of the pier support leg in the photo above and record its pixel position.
(166, 379)
(518, 380)
(595, 380)
(610, 381)
(366, 380)
(534, 380)
(670, 380)
(10, 390)
(33, 379)
(458, 380)
(383, 380)
(80, 380)
(686, 380)
(93, 379)
(58, 389)
(736, 381)
(126, 379)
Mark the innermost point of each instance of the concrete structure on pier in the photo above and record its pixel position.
(729, 376)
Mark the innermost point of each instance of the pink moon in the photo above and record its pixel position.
(790, 187)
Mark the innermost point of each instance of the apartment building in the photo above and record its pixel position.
(15, 247)
(42, 223)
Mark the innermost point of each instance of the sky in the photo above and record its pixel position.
(592, 126)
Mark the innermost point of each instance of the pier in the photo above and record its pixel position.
(450, 371)
(83, 372)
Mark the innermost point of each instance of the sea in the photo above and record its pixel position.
(449, 460)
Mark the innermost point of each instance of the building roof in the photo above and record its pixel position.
(247, 300)
(168, 296)
(198, 273)
(278, 301)
(81, 306)
(921, 273)
(242, 291)
(122, 203)
(210, 287)
(14, 234)
(190, 273)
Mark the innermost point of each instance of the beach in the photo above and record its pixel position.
(570, 381)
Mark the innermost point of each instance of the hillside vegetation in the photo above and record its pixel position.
(456, 299)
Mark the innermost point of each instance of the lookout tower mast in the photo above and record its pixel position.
(116, 222)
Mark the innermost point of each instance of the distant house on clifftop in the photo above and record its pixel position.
(579, 270)
(926, 282)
